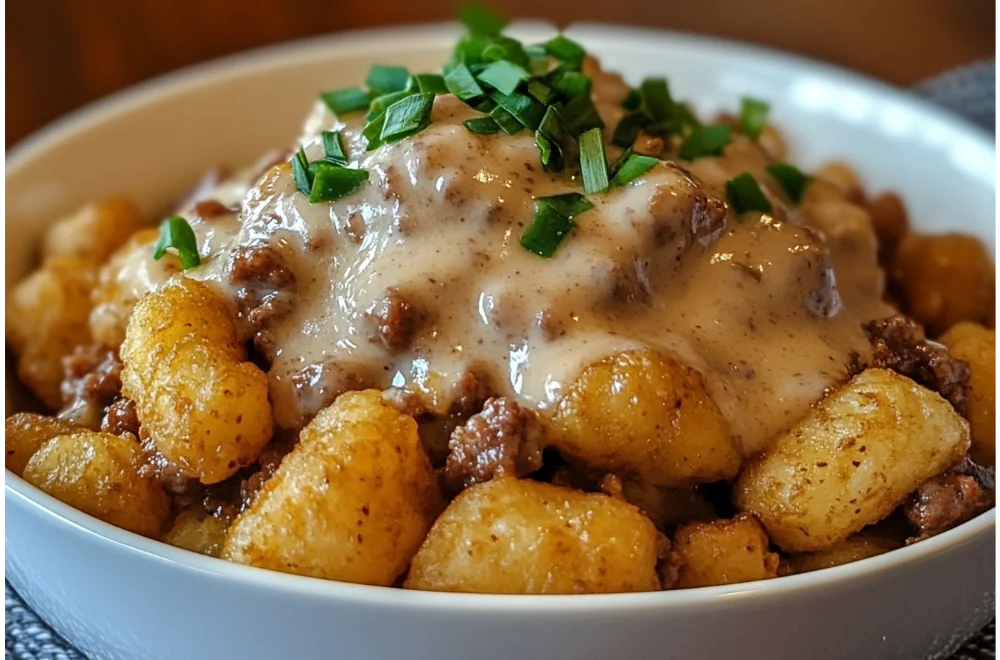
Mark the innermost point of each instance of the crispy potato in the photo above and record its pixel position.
(889, 218)
(977, 346)
(25, 433)
(668, 507)
(195, 530)
(851, 461)
(944, 280)
(854, 548)
(351, 502)
(722, 552)
(644, 415)
(46, 319)
(204, 406)
(843, 177)
(130, 273)
(99, 474)
(524, 537)
(93, 232)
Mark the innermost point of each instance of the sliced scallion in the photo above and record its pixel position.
(300, 172)
(482, 126)
(527, 110)
(566, 50)
(384, 79)
(373, 131)
(546, 232)
(480, 21)
(791, 179)
(745, 195)
(176, 233)
(331, 182)
(630, 167)
(550, 152)
(503, 76)
(344, 101)
(333, 148)
(753, 117)
(567, 204)
(581, 115)
(540, 91)
(593, 161)
(407, 117)
(633, 100)
(507, 122)
(462, 83)
(432, 83)
(706, 141)
(656, 96)
(628, 129)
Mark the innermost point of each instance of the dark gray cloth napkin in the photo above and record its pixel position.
(969, 91)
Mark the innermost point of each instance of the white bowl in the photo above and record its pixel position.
(118, 595)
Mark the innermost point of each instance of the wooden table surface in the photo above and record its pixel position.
(62, 54)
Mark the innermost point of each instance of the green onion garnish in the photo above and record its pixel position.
(407, 117)
(381, 103)
(503, 76)
(480, 21)
(462, 84)
(331, 182)
(343, 101)
(569, 205)
(484, 125)
(550, 153)
(633, 100)
(373, 132)
(745, 194)
(540, 91)
(432, 83)
(484, 105)
(706, 141)
(753, 117)
(505, 48)
(468, 50)
(553, 221)
(656, 95)
(593, 161)
(333, 148)
(566, 50)
(538, 59)
(176, 233)
(581, 115)
(791, 179)
(527, 110)
(300, 172)
(630, 167)
(628, 129)
(507, 122)
(571, 84)
(553, 126)
(384, 79)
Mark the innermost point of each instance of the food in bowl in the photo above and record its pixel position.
(514, 328)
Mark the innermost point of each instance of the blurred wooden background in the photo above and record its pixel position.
(63, 53)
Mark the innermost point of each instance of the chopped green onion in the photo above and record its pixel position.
(633, 100)
(753, 117)
(331, 182)
(581, 115)
(482, 126)
(428, 82)
(540, 91)
(373, 132)
(462, 84)
(485, 105)
(381, 103)
(568, 205)
(571, 84)
(387, 79)
(706, 141)
(468, 51)
(480, 21)
(546, 232)
(503, 76)
(333, 148)
(613, 169)
(593, 161)
(407, 117)
(684, 118)
(553, 126)
(507, 122)
(550, 152)
(791, 179)
(343, 101)
(628, 129)
(176, 233)
(527, 110)
(630, 167)
(566, 50)
(745, 194)
(538, 59)
(505, 48)
(656, 95)
(300, 172)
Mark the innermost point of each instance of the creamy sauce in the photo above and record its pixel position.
(768, 309)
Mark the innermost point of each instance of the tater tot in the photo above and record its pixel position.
(851, 461)
(643, 414)
(977, 346)
(944, 280)
(522, 537)
(126, 276)
(25, 433)
(351, 502)
(843, 177)
(99, 474)
(195, 530)
(852, 549)
(722, 552)
(204, 406)
(668, 507)
(46, 318)
(94, 231)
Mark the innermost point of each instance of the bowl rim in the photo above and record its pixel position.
(429, 35)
